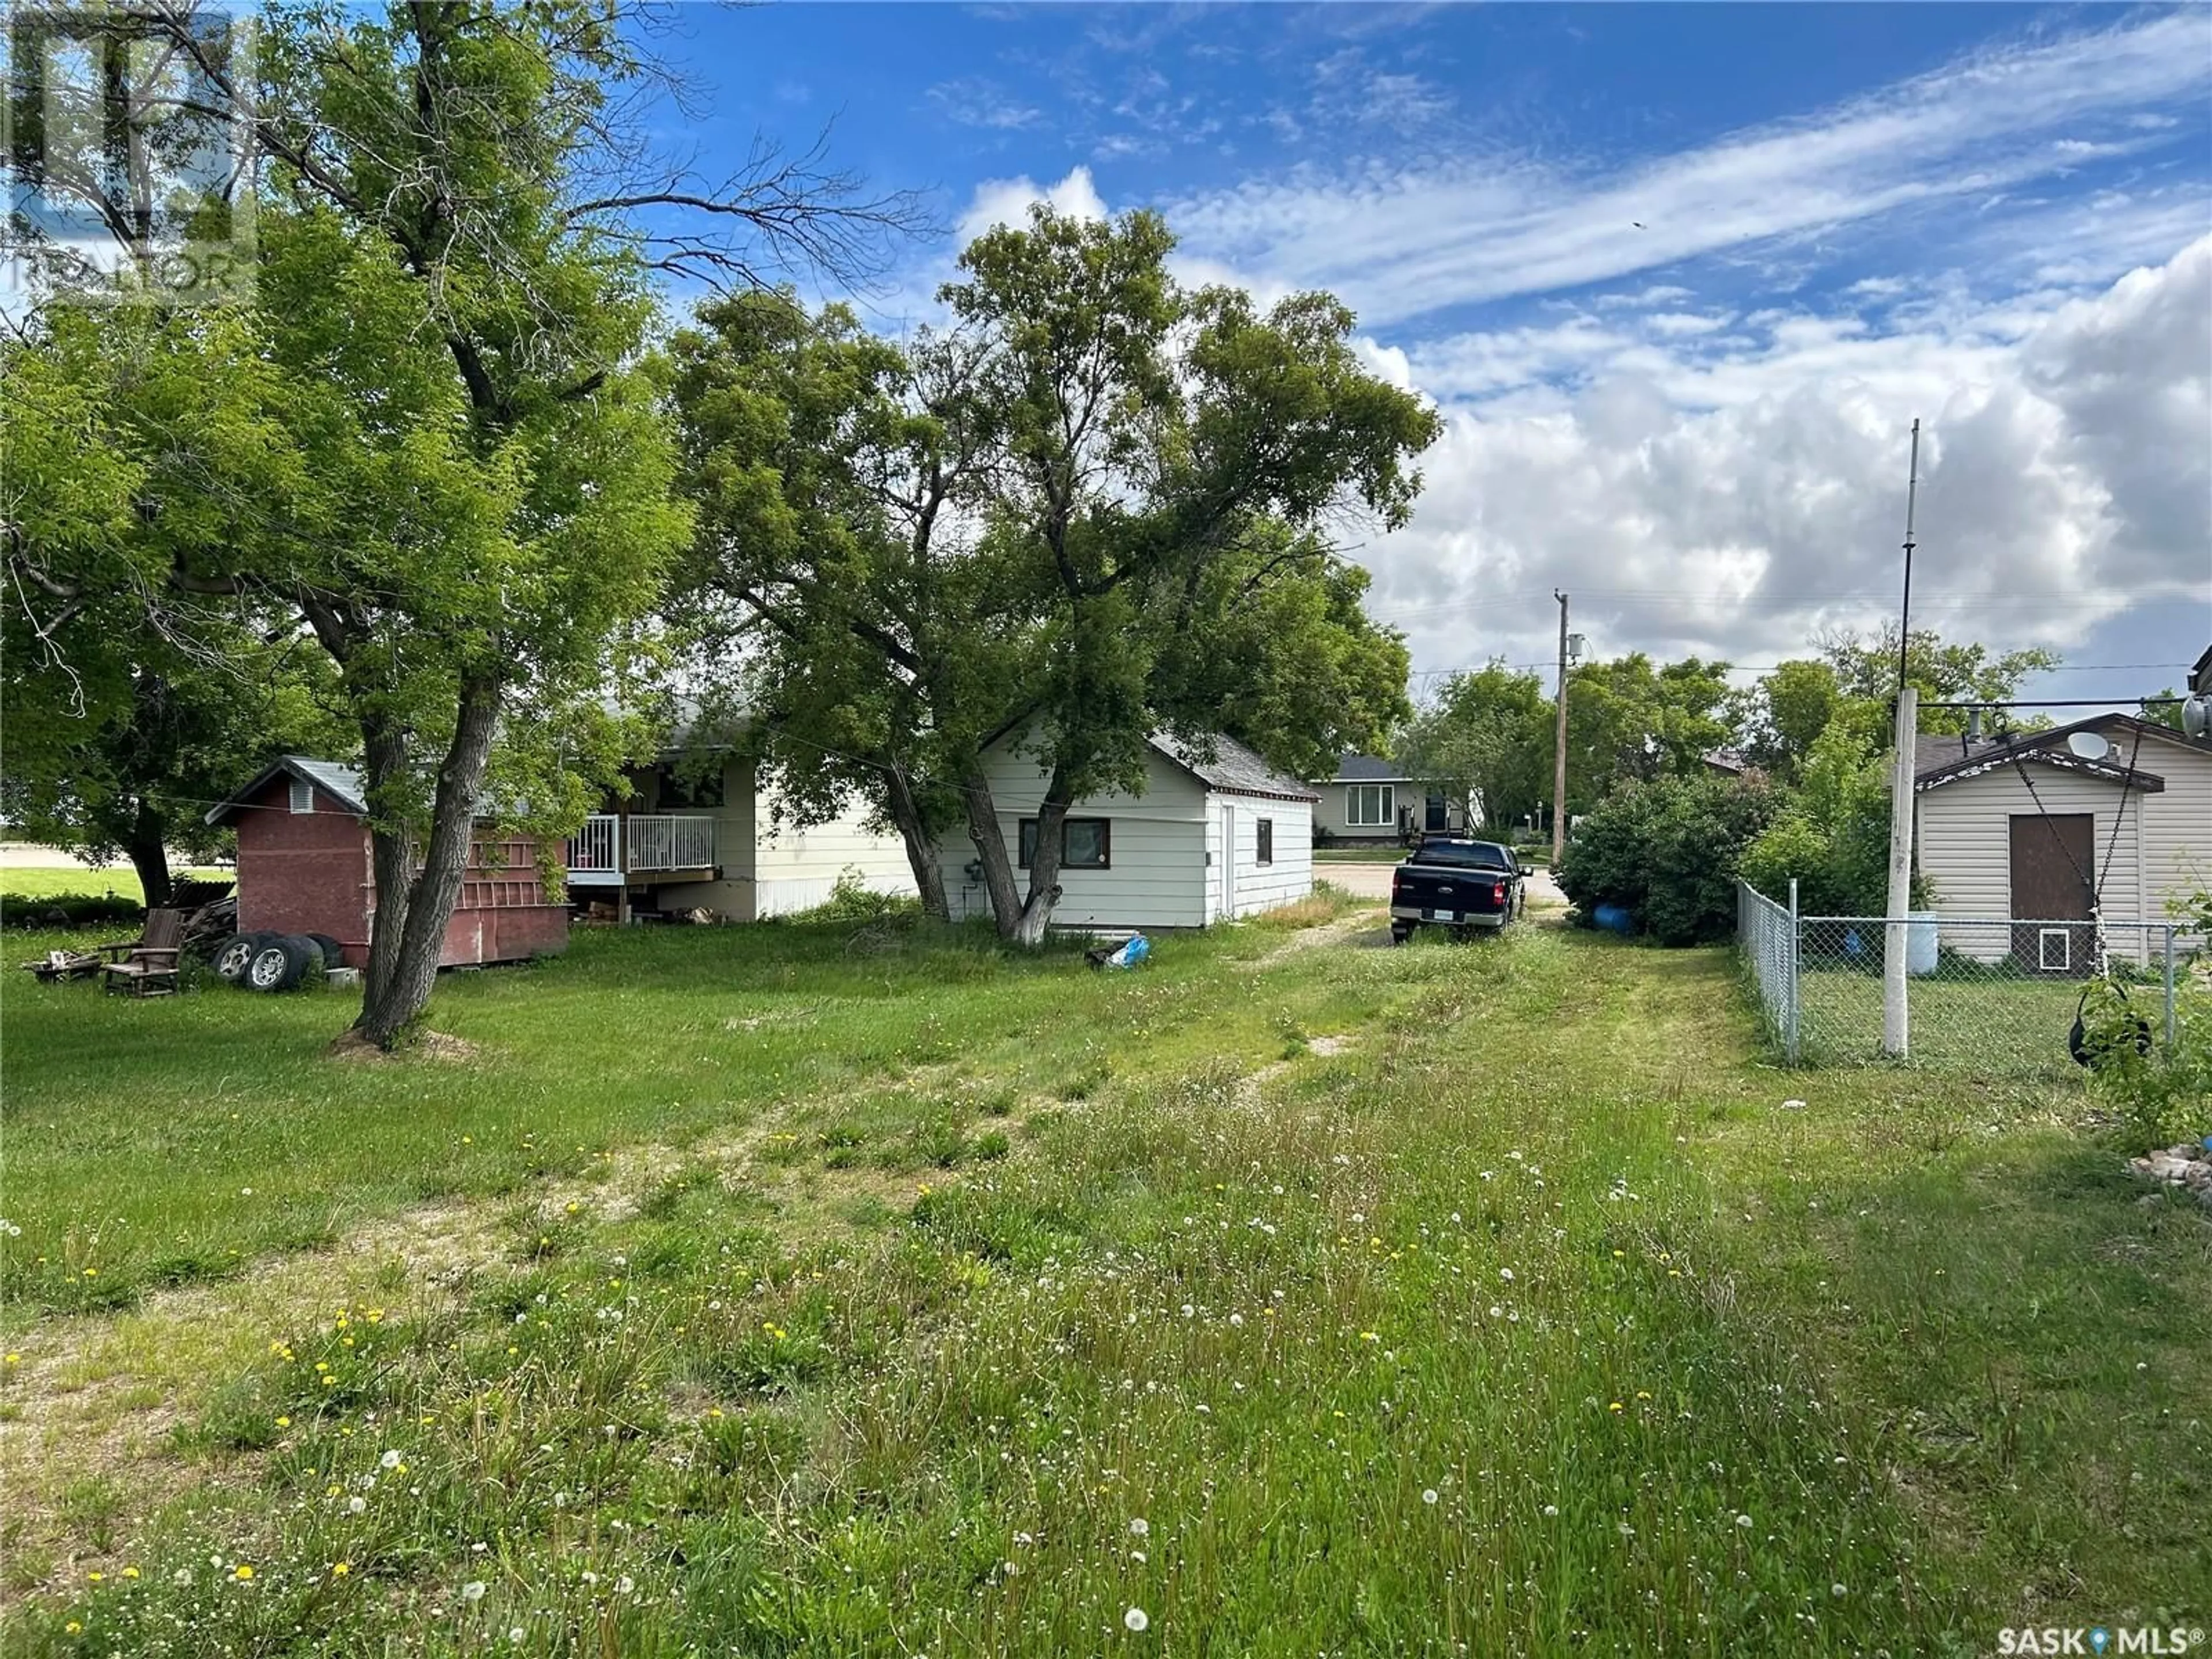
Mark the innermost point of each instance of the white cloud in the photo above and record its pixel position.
(1398, 242)
(1734, 495)
(1007, 202)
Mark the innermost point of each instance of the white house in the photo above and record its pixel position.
(685, 842)
(1214, 835)
(2025, 829)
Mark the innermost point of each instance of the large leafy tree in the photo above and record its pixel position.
(1630, 720)
(1487, 731)
(447, 361)
(1089, 508)
(1865, 666)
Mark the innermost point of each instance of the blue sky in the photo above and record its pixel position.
(1679, 278)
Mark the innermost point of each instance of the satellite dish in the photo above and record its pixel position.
(2197, 716)
(2088, 746)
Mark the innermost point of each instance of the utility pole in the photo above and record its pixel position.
(1559, 745)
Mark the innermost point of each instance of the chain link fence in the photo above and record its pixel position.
(1995, 996)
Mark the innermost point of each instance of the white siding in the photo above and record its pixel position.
(795, 868)
(1963, 844)
(1159, 873)
(2177, 821)
(1258, 886)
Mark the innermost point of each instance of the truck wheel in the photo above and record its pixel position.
(1398, 935)
(277, 965)
(333, 953)
(231, 956)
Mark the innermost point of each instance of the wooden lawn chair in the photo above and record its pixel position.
(147, 965)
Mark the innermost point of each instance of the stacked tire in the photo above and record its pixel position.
(273, 962)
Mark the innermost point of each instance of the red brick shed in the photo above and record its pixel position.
(304, 867)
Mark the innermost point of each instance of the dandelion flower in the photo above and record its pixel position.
(72, 1627)
(625, 1585)
(1506, 1274)
(1550, 1512)
(389, 1460)
(1837, 1590)
(1136, 1621)
(1614, 1406)
(15, 1359)
(1141, 1528)
(95, 1577)
(473, 1590)
(241, 1573)
(1743, 1521)
(130, 1572)
(340, 1569)
(1428, 1494)
(356, 1504)
(516, 1634)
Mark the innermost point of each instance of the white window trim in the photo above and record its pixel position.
(303, 795)
(1387, 799)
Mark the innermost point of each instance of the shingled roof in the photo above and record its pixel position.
(1231, 768)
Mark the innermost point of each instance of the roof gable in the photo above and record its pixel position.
(1370, 768)
(1938, 760)
(343, 784)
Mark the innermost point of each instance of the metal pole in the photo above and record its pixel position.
(1895, 1017)
(2169, 987)
(1559, 745)
(1789, 1035)
(1904, 618)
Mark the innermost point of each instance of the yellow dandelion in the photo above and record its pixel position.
(241, 1573)
(72, 1627)
(95, 1578)
(283, 1422)
(1368, 1336)
(1643, 1395)
(15, 1359)
(340, 1569)
(130, 1572)
(1615, 1406)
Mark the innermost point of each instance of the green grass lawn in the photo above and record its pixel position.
(119, 880)
(802, 1291)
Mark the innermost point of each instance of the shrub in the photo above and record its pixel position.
(851, 900)
(71, 910)
(2159, 1093)
(1667, 852)
(1833, 837)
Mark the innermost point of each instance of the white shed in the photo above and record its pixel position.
(2023, 830)
(1214, 835)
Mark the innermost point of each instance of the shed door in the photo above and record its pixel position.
(2053, 867)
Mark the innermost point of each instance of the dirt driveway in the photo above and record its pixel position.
(1372, 881)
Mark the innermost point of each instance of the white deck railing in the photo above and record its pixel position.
(655, 841)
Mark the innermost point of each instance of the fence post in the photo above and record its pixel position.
(1790, 1003)
(2169, 987)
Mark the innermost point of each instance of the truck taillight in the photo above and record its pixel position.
(1498, 892)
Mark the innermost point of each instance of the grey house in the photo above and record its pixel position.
(1372, 801)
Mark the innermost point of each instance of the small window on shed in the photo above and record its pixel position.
(1267, 840)
(303, 795)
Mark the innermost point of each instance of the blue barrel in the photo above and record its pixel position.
(1613, 919)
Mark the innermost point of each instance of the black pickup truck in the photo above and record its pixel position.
(1450, 881)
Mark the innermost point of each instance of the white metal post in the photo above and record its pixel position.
(1789, 1034)
(2169, 987)
(1896, 1021)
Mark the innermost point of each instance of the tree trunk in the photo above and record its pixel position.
(150, 855)
(386, 751)
(1020, 920)
(922, 848)
(395, 1004)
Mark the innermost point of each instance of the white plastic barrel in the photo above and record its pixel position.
(1920, 940)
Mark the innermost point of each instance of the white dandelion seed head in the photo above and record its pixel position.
(1837, 1590)
(1136, 1620)
(1743, 1521)
(1428, 1494)
(389, 1460)
(516, 1634)
(473, 1590)
(356, 1504)
(625, 1585)
(1551, 1511)
(1506, 1274)
(1139, 1527)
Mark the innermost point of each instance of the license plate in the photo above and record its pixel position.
(1440, 915)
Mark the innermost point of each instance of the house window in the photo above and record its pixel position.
(1267, 840)
(1084, 844)
(680, 788)
(303, 796)
(1371, 806)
